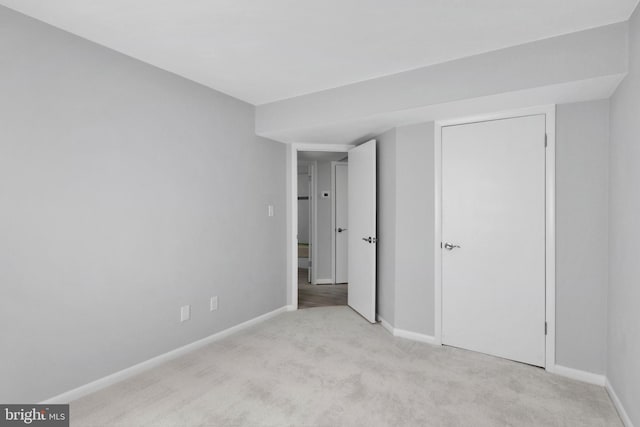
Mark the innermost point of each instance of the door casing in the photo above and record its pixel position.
(333, 218)
(550, 177)
(313, 223)
(292, 212)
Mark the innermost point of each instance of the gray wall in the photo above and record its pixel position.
(415, 184)
(323, 218)
(323, 210)
(406, 193)
(582, 153)
(405, 228)
(386, 225)
(303, 205)
(125, 192)
(623, 357)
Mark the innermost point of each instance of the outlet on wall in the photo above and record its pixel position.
(213, 303)
(185, 313)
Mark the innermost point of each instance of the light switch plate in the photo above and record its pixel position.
(270, 210)
(185, 313)
(213, 304)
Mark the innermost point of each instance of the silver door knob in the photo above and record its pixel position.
(448, 246)
(340, 230)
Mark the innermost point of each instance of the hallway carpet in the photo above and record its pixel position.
(319, 295)
(329, 367)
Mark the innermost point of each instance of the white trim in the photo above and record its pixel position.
(550, 248)
(312, 171)
(576, 374)
(333, 217)
(292, 229)
(499, 115)
(550, 179)
(401, 333)
(437, 267)
(136, 369)
(618, 404)
(333, 221)
(385, 324)
(325, 148)
(324, 281)
(313, 230)
(292, 214)
(314, 223)
(414, 336)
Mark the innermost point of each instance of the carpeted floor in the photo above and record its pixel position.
(329, 367)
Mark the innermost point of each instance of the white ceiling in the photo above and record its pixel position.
(262, 51)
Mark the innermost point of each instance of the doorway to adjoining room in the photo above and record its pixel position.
(322, 229)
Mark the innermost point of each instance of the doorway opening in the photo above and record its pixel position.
(322, 228)
(360, 231)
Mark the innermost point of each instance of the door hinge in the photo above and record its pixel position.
(545, 328)
(545, 139)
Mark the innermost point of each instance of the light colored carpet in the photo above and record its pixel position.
(329, 367)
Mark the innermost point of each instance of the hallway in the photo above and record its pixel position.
(319, 295)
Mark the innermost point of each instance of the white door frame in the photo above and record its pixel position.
(292, 213)
(313, 226)
(550, 239)
(333, 218)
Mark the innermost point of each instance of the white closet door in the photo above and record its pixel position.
(493, 208)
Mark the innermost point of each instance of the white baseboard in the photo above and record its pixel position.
(414, 336)
(401, 333)
(291, 307)
(324, 282)
(385, 324)
(116, 377)
(576, 374)
(618, 404)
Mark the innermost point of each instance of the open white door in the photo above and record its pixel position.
(362, 230)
